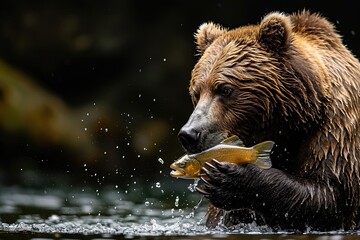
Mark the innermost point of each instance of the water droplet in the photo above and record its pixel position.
(177, 201)
(106, 129)
(54, 218)
(161, 160)
(85, 129)
(147, 203)
(164, 59)
(158, 185)
(192, 187)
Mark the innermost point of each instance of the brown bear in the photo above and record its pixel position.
(289, 79)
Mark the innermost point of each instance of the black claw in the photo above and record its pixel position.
(207, 172)
(210, 166)
(217, 162)
(202, 191)
(205, 181)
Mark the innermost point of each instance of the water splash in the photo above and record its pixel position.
(111, 213)
(192, 187)
(85, 212)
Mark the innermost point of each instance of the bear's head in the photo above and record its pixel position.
(254, 81)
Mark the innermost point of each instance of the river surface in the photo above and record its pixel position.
(110, 212)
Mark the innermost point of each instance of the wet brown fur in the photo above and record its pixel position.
(297, 84)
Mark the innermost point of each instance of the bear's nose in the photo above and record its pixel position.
(188, 137)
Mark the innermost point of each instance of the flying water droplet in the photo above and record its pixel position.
(192, 187)
(177, 201)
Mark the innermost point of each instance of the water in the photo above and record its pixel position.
(110, 213)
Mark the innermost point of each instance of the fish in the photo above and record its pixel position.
(230, 150)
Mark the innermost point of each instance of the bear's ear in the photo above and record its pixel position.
(206, 34)
(274, 32)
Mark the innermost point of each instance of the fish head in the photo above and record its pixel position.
(185, 168)
(178, 169)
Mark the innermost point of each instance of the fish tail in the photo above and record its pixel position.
(263, 154)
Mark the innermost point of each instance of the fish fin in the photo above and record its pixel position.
(233, 140)
(263, 156)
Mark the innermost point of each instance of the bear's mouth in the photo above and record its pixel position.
(209, 140)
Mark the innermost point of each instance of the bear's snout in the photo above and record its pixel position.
(189, 137)
(201, 131)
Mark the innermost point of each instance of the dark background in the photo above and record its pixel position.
(96, 91)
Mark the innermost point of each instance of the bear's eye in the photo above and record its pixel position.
(224, 91)
(196, 97)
